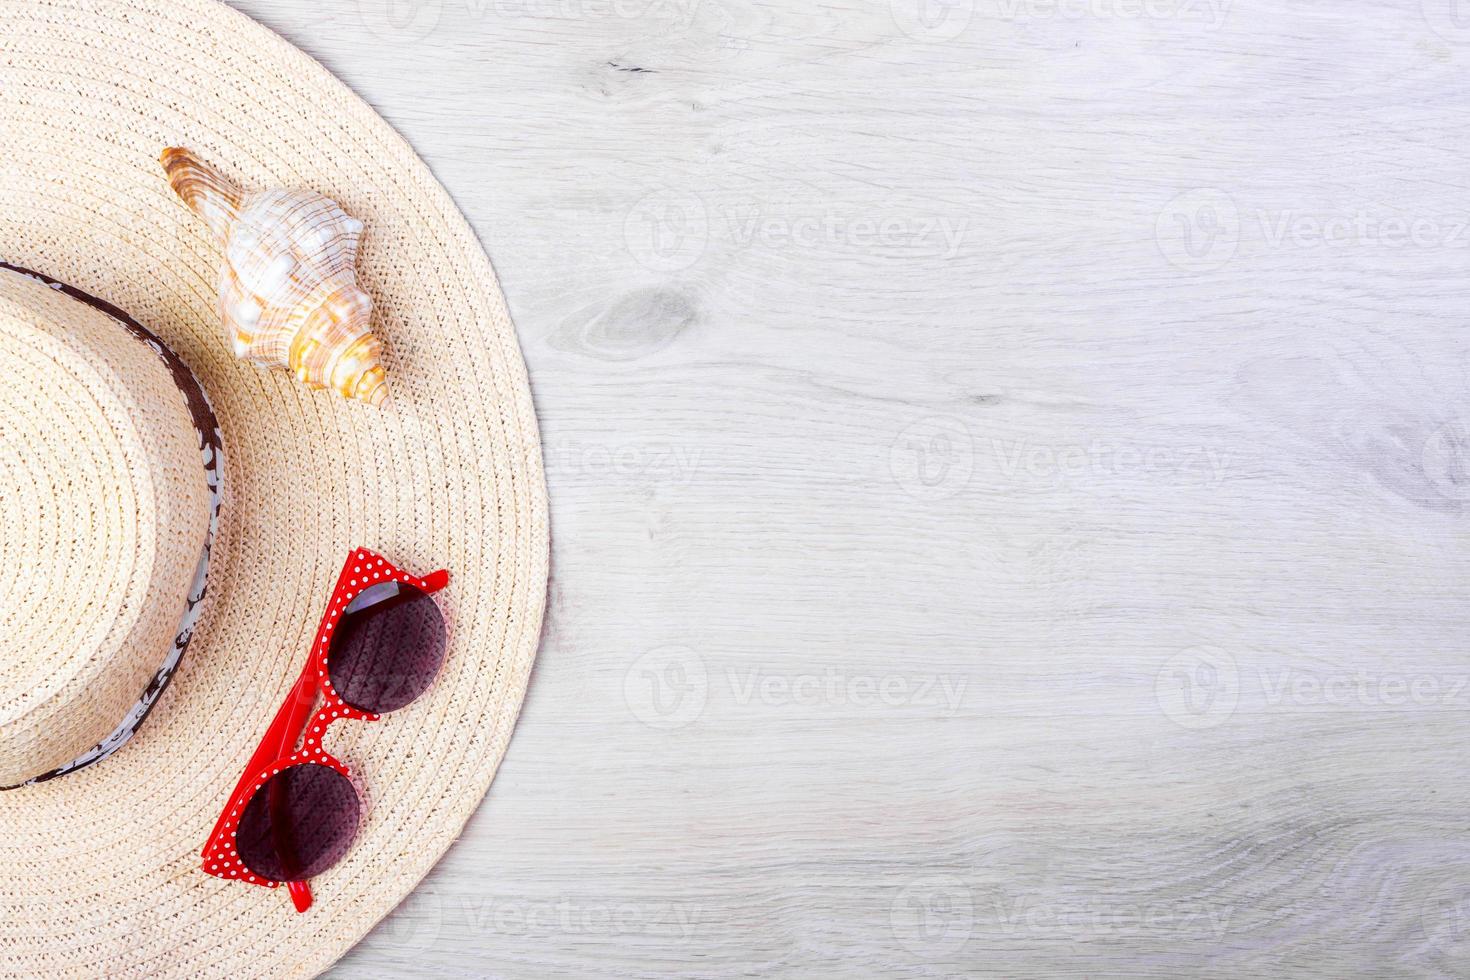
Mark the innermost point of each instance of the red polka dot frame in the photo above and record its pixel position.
(278, 749)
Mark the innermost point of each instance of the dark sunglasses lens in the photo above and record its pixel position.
(298, 824)
(387, 648)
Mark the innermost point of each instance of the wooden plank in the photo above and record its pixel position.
(1009, 476)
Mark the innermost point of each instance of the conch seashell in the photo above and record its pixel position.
(288, 286)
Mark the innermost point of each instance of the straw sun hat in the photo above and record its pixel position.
(125, 421)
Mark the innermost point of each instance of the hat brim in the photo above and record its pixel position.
(99, 870)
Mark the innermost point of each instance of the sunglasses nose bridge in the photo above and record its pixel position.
(333, 710)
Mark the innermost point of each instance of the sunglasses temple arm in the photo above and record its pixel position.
(300, 895)
(290, 721)
(279, 739)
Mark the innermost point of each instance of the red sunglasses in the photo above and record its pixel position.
(294, 814)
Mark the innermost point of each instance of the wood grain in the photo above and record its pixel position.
(1009, 468)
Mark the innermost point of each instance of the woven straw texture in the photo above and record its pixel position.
(111, 500)
(98, 869)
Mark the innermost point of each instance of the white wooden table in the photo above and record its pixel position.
(1010, 465)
